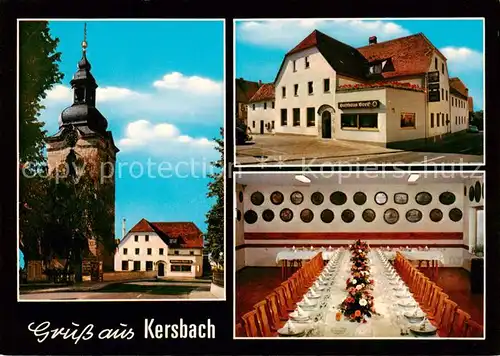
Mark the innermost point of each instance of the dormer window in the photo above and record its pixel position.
(173, 241)
(376, 69)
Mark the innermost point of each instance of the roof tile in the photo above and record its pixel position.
(265, 92)
(187, 233)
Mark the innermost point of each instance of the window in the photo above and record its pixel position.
(436, 63)
(137, 265)
(326, 85)
(79, 95)
(307, 62)
(136, 251)
(442, 119)
(442, 93)
(272, 104)
(456, 120)
(437, 119)
(272, 124)
(296, 117)
(296, 90)
(283, 92)
(359, 121)
(294, 66)
(447, 121)
(408, 120)
(442, 68)
(253, 124)
(446, 95)
(136, 238)
(191, 253)
(253, 106)
(125, 251)
(147, 238)
(265, 106)
(432, 119)
(176, 252)
(161, 251)
(149, 265)
(149, 251)
(310, 88)
(311, 121)
(180, 268)
(283, 117)
(124, 265)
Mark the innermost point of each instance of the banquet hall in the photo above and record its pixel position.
(421, 258)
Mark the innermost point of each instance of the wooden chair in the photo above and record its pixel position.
(436, 318)
(431, 306)
(459, 325)
(286, 306)
(448, 315)
(423, 290)
(263, 319)
(473, 329)
(277, 321)
(250, 323)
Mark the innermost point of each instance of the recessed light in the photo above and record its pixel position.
(413, 178)
(302, 178)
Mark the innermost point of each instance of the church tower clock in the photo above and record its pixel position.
(83, 132)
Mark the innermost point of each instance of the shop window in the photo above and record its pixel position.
(125, 251)
(408, 120)
(296, 117)
(307, 62)
(149, 265)
(296, 90)
(310, 88)
(283, 117)
(124, 265)
(349, 120)
(283, 92)
(137, 265)
(180, 268)
(265, 106)
(310, 117)
(359, 121)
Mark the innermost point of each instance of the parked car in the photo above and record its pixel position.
(473, 129)
(242, 135)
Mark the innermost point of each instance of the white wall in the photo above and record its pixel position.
(318, 70)
(267, 115)
(155, 243)
(399, 101)
(443, 106)
(369, 135)
(458, 112)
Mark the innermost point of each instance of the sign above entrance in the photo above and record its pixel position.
(181, 261)
(367, 104)
(433, 77)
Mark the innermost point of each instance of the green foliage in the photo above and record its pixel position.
(38, 72)
(214, 237)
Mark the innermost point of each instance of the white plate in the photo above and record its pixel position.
(296, 332)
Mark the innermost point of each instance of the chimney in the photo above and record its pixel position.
(260, 82)
(372, 40)
(123, 228)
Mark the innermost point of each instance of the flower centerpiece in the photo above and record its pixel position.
(360, 280)
(358, 305)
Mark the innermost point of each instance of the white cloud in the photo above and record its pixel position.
(62, 93)
(462, 59)
(285, 34)
(195, 84)
(59, 92)
(164, 139)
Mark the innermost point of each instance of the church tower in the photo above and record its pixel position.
(83, 132)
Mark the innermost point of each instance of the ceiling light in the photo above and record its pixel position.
(413, 178)
(302, 178)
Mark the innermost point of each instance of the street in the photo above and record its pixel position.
(304, 150)
(129, 291)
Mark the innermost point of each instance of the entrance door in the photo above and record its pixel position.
(261, 127)
(161, 270)
(326, 124)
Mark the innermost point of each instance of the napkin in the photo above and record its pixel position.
(313, 293)
(307, 300)
(300, 311)
(290, 327)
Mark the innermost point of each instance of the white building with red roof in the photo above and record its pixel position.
(172, 249)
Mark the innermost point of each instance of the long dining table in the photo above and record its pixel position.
(291, 258)
(432, 257)
(323, 322)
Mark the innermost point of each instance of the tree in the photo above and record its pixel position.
(38, 72)
(215, 217)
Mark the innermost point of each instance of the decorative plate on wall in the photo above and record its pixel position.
(400, 198)
(327, 216)
(477, 191)
(257, 198)
(347, 216)
(447, 198)
(423, 198)
(250, 217)
(277, 198)
(286, 215)
(238, 214)
(380, 198)
(296, 198)
(268, 215)
(359, 198)
(368, 215)
(306, 215)
(436, 215)
(471, 193)
(455, 214)
(338, 198)
(240, 196)
(317, 198)
(413, 215)
(391, 216)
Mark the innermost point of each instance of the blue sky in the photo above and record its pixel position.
(161, 90)
(260, 46)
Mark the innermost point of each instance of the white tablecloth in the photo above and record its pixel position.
(378, 326)
(431, 255)
(290, 255)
